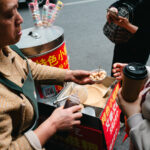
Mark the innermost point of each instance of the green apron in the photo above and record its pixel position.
(28, 88)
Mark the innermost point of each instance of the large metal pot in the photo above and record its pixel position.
(45, 46)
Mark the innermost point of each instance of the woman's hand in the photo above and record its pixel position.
(60, 119)
(121, 21)
(124, 23)
(118, 70)
(65, 119)
(109, 17)
(78, 76)
(129, 108)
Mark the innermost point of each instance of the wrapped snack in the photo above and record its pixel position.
(72, 100)
(35, 13)
(45, 15)
(55, 12)
(50, 11)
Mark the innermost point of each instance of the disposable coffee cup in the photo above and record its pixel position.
(134, 77)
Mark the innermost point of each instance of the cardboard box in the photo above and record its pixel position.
(97, 132)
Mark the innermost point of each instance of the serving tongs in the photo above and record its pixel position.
(60, 100)
(65, 98)
(110, 87)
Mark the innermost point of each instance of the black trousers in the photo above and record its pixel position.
(125, 54)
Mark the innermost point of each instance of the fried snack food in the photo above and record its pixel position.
(98, 75)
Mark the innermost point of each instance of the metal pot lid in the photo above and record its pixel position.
(35, 41)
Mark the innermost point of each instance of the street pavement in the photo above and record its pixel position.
(87, 47)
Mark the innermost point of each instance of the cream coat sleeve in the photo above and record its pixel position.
(13, 120)
(140, 133)
(47, 73)
(140, 126)
(16, 112)
(6, 140)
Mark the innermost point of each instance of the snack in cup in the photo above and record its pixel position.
(73, 100)
(98, 75)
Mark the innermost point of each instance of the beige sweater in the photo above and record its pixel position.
(16, 113)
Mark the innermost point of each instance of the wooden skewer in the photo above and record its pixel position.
(99, 69)
(61, 99)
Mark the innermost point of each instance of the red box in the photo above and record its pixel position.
(95, 132)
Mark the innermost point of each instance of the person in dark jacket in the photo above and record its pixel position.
(137, 48)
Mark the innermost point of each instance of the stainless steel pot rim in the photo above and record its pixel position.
(46, 51)
(43, 49)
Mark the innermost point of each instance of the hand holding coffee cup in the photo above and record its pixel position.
(128, 108)
(134, 77)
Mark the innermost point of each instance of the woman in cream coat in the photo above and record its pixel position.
(16, 111)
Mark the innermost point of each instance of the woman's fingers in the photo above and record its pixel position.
(77, 115)
(115, 70)
(61, 107)
(117, 65)
(122, 18)
(139, 100)
(114, 9)
(75, 108)
(117, 74)
(76, 122)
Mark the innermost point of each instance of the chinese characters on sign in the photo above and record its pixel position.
(110, 119)
(55, 58)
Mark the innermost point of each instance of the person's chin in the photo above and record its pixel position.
(18, 38)
(14, 41)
